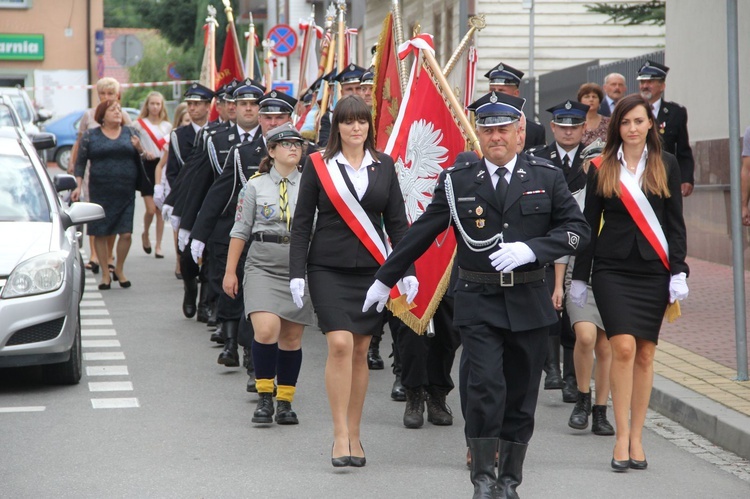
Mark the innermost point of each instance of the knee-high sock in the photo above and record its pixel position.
(265, 359)
(287, 372)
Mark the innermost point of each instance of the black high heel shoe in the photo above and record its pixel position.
(355, 461)
(105, 286)
(638, 465)
(340, 462)
(620, 466)
(123, 284)
(93, 267)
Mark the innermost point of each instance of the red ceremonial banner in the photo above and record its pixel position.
(231, 64)
(424, 141)
(386, 94)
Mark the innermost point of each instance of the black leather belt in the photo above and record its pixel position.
(504, 279)
(271, 238)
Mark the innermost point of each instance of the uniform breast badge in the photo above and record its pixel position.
(479, 210)
(267, 211)
(480, 223)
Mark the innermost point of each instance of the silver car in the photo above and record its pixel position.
(41, 269)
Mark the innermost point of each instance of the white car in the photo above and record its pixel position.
(41, 269)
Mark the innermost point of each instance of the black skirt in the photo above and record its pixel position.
(632, 295)
(149, 168)
(337, 296)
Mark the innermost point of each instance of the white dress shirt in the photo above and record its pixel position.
(359, 178)
(493, 169)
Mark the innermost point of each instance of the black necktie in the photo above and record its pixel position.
(501, 188)
(245, 136)
(566, 163)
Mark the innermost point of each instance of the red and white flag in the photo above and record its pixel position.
(471, 75)
(424, 141)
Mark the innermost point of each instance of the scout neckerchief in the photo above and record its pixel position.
(642, 212)
(147, 127)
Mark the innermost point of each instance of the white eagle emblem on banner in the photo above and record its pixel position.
(419, 169)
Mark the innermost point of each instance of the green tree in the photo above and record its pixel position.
(652, 12)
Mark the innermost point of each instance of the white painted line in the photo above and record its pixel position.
(96, 322)
(87, 295)
(98, 332)
(107, 371)
(90, 280)
(103, 356)
(38, 408)
(123, 403)
(111, 386)
(92, 303)
(94, 311)
(100, 343)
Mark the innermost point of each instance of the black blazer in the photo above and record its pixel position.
(672, 127)
(620, 233)
(182, 139)
(575, 177)
(333, 244)
(536, 135)
(538, 210)
(604, 108)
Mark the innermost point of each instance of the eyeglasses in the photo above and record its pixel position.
(288, 144)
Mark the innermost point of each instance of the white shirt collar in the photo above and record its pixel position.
(251, 132)
(571, 154)
(366, 161)
(510, 166)
(640, 169)
(610, 102)
(197, 128)
(656, 106)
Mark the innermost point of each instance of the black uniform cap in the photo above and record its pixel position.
(502, 74)
(197, 92)
(652, 71)
(275, 102)
(497, 109)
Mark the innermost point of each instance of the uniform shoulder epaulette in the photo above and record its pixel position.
(533, 160)
(531, 151)
(257, 174)
(459, 166)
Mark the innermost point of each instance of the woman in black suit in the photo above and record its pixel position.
(638, 267)
(349, 177)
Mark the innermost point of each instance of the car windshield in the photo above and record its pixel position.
(22, 198)
(21, 107)
(6, 116)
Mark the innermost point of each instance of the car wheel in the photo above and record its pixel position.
(68, 372)
(62, 157)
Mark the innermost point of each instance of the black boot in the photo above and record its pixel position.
(510, 469)
(212, 320)
(264, 410)
(284, 413)
(374, 360)
(188, 300)
(570, 388)
(483, 476)
(230, 357)
(414, 411)
(398, 392)
(219, 336)
(599, 423)
(438, 412)
(579, 418)
(553, 379)
(204, 309)
(247, 363)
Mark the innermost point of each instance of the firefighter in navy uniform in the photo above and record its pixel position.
(511, 215)
(216, 218)
(568, 124)
(507, 80)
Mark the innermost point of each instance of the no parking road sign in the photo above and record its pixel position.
(284, 38)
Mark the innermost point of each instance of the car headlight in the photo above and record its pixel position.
(41, 274)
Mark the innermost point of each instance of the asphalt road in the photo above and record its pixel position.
(185, 429)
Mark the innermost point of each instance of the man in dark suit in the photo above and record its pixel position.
(502, 306)
(614, 89)
(568, 124)
(671, 120)
(505, 79)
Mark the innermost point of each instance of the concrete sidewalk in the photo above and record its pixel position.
(695, 382)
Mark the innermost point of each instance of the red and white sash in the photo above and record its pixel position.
(642, 212)
(348, 207)
(160, 142)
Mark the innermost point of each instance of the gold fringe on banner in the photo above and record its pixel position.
(402, 310)
(673, 311)
(380, 47)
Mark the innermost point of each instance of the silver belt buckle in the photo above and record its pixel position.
(506, 279)
(285, 239)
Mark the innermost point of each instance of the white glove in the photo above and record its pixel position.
(511, 255)
(166, 210)
(196, 249)
(412, 287)
(297, 287)
(183, 236)
(579, 293)
(378, 294)
(174, 221)
(678, 289)
(159, 195)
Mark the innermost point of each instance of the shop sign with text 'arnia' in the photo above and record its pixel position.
(21, 47)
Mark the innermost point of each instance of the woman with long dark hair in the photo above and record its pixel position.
(355, 191)
(638, 259)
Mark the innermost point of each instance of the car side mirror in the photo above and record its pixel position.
(43, 115)
(65, 182)
(81, 213)
(43, 140)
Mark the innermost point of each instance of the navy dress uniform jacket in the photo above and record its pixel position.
(536, 135)
(182, 138)
(672, 127)
(575, 177)
(538, 210)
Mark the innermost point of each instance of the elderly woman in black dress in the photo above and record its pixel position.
(638, 259)
(355, 191)
(115, 173)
